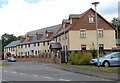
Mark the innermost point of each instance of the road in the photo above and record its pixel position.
(38, 71)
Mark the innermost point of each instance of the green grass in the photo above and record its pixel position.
(4, 64)
(95, 68)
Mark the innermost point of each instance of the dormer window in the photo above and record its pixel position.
(70, 21)
(47, 35)
(39, 35)
(91, 18)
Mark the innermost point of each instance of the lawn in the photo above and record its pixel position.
(4, 64)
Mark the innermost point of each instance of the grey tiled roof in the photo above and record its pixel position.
(13, 44)
(75, 15)
(70, 16)
(53, 29)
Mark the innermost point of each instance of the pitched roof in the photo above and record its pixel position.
(81, 24)
(53, 29)
(13, 44)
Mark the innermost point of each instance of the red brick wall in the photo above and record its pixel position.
(83, 23)
(47, 58)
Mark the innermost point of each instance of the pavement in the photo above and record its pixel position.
(39, 71)
(91, 72)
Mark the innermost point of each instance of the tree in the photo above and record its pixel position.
(6, 39)
(114, 22)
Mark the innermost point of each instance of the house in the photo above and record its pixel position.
(78, 32)
(33, 42)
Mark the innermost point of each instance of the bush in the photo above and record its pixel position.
(79, 58)
(86, 58)
(74, 58)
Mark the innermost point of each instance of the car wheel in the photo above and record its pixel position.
(106, 64)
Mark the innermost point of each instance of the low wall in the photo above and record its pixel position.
(49, 58)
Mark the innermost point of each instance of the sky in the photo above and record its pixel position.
(21, 16)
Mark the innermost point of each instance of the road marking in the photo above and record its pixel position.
(48, 77)
(23, 74)
(5, 71)
(35, 75)
(13, 72)
(64, 80)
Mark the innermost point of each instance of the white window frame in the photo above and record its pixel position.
(83, 34)
(91, 18)
(99, 33)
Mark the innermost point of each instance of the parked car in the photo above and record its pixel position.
(112, 59)
(11, 59)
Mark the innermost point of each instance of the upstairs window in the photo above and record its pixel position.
(82, 33)
(91, 18)
(100, 33)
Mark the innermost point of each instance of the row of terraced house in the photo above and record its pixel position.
(77, 32)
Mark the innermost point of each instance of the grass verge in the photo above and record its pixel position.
(91, 67)
(4, 64)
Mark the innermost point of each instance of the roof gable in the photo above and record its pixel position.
(83, 23)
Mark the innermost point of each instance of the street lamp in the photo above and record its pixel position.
(117, 24)
(97, 45)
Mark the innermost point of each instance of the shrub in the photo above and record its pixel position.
(79, 58)
(74, 58)
(86, 58)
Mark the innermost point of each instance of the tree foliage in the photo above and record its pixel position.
(116, 22)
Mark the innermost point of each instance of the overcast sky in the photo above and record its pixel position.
(20, 16)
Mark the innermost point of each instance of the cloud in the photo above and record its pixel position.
(32, 1)
(3, 2)
(18, 16)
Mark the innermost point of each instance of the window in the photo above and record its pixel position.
(101, 47)
(100, 33)
(28, 45)
(38, 44)
(91, 18)
(36, 52)
(35, 44)
(83, 47)
(21, 46)
(83, 33)
(45, 51)
(65, 35)
(43, 43)
(47, 43)
(28, 52)
(47, 35)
